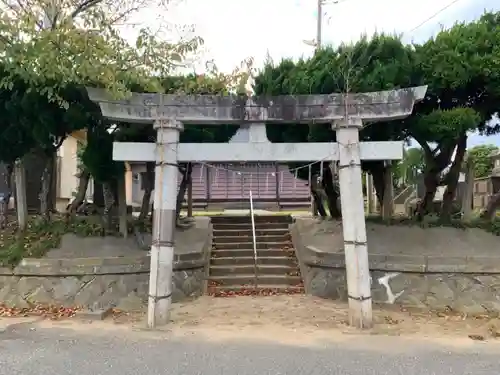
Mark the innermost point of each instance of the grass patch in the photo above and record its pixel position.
(435, 222)
(40, 237)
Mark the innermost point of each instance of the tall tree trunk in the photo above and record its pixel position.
(81, 192)
(378, 171)
(5, 200)
(332, 193)
(109, 201)
(387, 205)
(21, 202)
(148, 183)
(452, 179)
(98, 195)
(317, 194)
(492, 207)
(122, 206)
(435, 163)
(46, 187)
(186, 179)
(466, 204)
(9, 176)
(434, 166)
(431, 183)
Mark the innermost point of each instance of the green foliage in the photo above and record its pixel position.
(40, 237)
(200, 85)
(379, 63)
(189, 84)
(52, 44)
(460, 67)
(30, 120)
(481, 156)
(412, 165)
(98, 155)
(444, 127)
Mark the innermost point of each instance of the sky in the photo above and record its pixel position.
(234, 30)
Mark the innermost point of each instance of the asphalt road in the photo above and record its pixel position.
(63, 352)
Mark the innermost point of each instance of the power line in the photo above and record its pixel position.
(413, 29)
(433, 16)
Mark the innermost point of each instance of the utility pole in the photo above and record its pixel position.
(319, 24)
(317, 43)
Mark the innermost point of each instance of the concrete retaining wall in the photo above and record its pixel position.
(120, 282)
(469, 284)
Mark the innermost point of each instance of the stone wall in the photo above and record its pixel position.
(469, 284)
(120, 282)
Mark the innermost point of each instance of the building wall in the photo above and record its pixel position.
(68, 174)
(229, 184)
(483, 189)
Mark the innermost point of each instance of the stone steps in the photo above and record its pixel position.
(245, 219)
(246, 269)
(249, 260)
(248, 226)
(232, 265)
(248, 232)
(282, 245)
(250, 289)
(249, 279)
(248, 252)
(218, 240)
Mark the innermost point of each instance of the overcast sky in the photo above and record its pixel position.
(235, 29)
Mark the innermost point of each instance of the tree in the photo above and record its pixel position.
(15, 142)
(481, 156)
(372, 64)
(49, 44)
(447, 131)
(33, 123)
(412, 165)
(98, 154)
(459, 67)
(55, 49)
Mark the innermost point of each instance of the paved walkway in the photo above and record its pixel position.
(63, 351)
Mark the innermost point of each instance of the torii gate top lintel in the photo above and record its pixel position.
(226, 109)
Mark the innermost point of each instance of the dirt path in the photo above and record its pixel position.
(306, 313)
(294, 320)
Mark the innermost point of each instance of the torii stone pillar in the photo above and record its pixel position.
(345, 112)
(353, 222)
(164, 206)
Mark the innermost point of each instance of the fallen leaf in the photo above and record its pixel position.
(477, 337)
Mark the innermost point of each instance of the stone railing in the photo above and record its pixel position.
(468, 284)
(98, 283)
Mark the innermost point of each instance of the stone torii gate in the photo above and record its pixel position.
(346, 114)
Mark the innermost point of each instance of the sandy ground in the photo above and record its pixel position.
(293, 320)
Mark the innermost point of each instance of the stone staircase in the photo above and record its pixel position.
(232, 264)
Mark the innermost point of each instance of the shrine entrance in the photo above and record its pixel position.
(344, 112)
